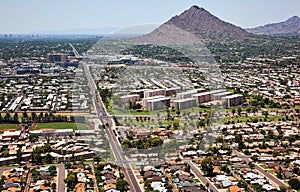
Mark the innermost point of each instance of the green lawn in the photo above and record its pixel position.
(196, 180)
(131, 112)
(73, 126)
(244, 119)
(194, 110)
(8, 126)
(264, 166)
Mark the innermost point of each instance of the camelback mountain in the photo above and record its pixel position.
(194, 24)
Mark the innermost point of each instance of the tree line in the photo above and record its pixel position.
(38, 118)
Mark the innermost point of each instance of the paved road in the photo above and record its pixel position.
(261, 170)
(94, 178)
(60, 178)
(114, 143)
(200, 176)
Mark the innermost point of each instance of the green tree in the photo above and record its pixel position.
(233, 111)
(36, 155)
(68, 165)
(207, 165)
(33, 137)
(254, 158)
(52, 170)
(294, 183)
(2, 183)
(265, 114)
(47, 147)
(35, 174)
(219, 139)
(19, 154)
(48, 159)
(251, 165)
(127, 143)
(242, 184)
(71, 180)
(248, 110)
(53, 186)
(16, 117)
(25, 115)
(81, 159)
(7, 117)
(282, 189)
(33, 116)
(97, 158)
(41, 116)
(122, 185)
(5, 153)
(239, 111)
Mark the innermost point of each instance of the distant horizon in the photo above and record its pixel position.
(81, 17)
(103, 31)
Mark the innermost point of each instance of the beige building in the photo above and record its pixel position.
(232, 100)
(185, 103)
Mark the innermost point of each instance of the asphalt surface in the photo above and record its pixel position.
(268, 175)
(61, 177)
(195, 169)
(114, 143)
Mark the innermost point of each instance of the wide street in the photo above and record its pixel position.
(260, 169)
(114, 143)
(60, 178)
(204, 180)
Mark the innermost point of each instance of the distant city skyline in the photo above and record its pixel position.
(99, 16)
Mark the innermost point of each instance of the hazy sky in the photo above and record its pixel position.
(31, 16)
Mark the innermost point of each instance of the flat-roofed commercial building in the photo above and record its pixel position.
(145, 100)
(155, 92)
(139, 92)
(185, 103)
(132, 98)
(218, 96)
(188, 94)
(158, 104)
(206, 96)
(172, 91)
(57, 57)
(53, 132)
(232, 100)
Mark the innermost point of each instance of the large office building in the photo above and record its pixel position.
(218, 96)
(232, 100)
(57, 57)
(155, 92)
(185, 103)
(145, 100)
(172, 91)
(206, 96)
(132, 98)
(188, 94)
(157, 104)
